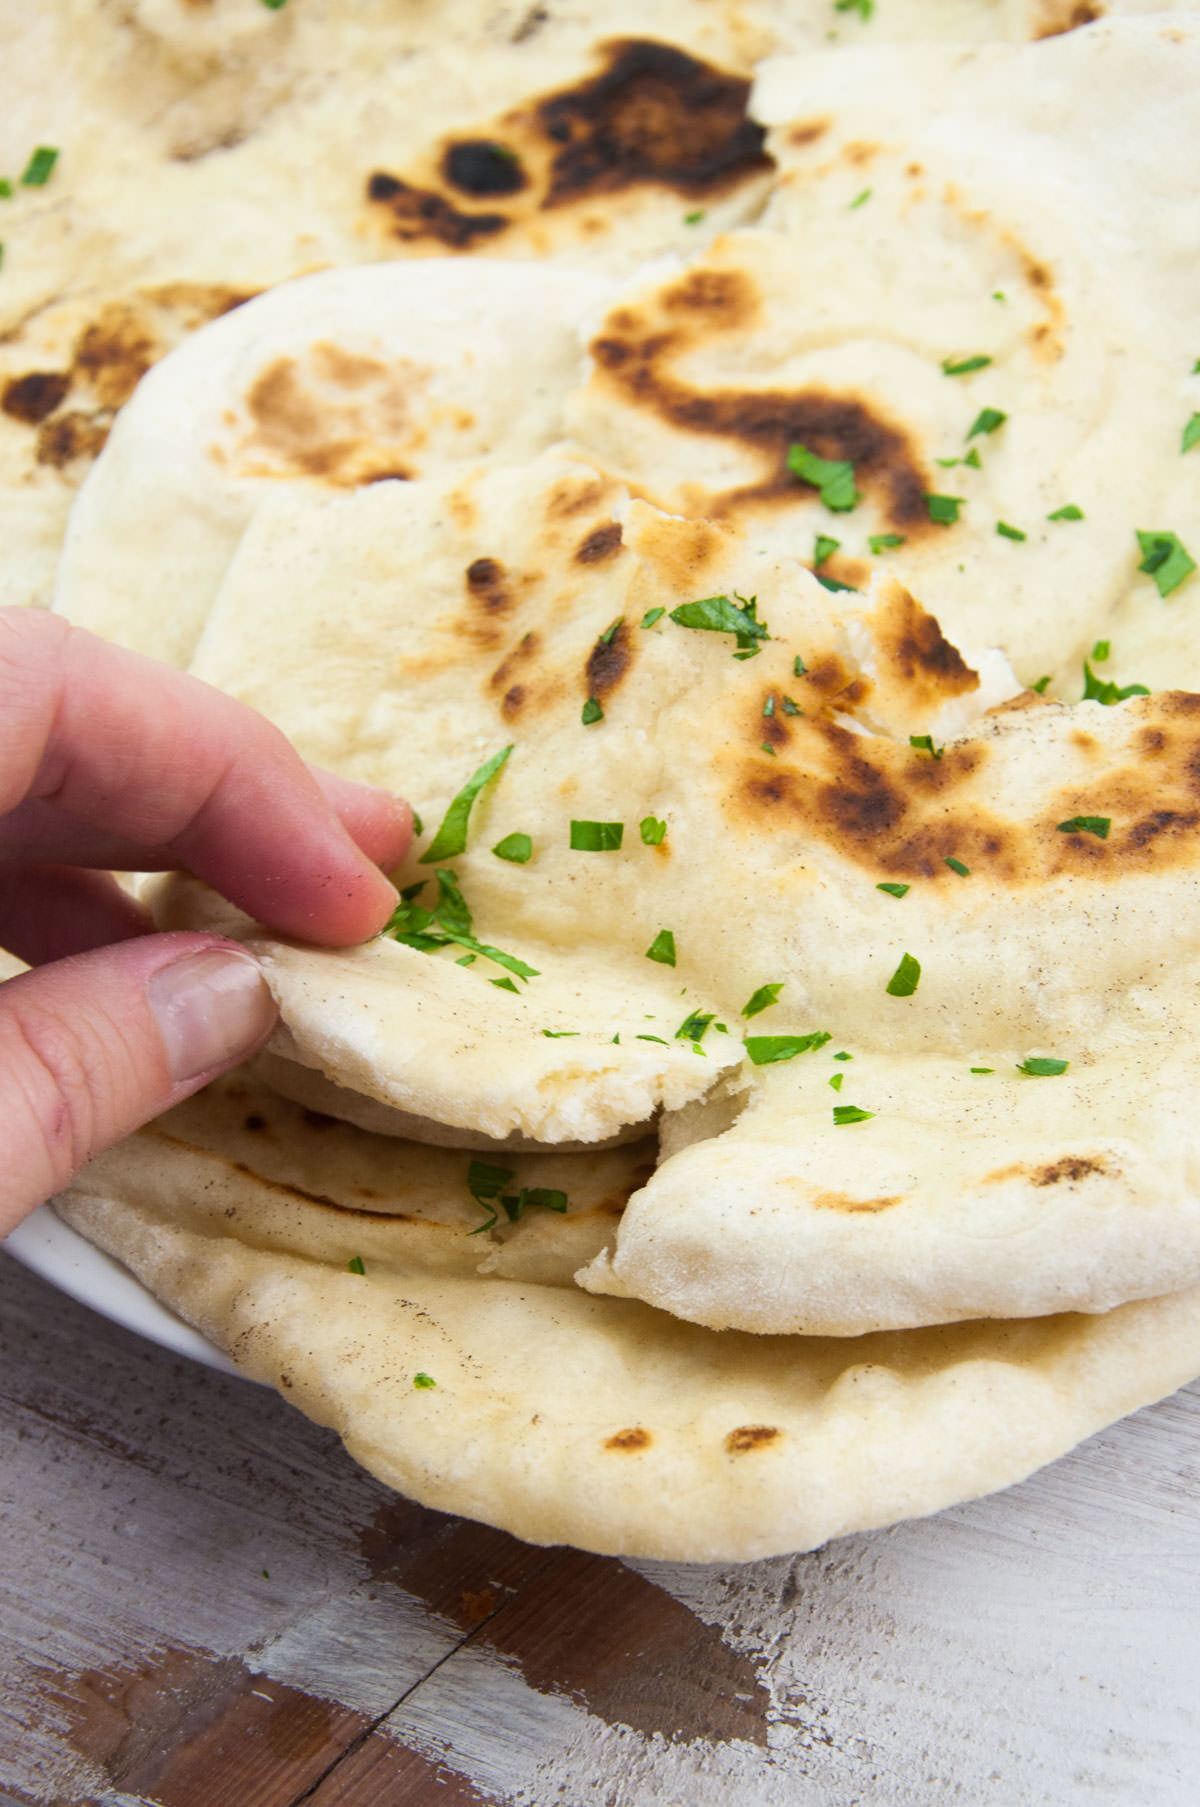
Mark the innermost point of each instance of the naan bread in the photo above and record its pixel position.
(564, 1418)
(937, 208)
(1048, 855)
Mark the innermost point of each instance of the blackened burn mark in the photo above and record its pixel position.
(487, 582)
(481, 166)
(655, 115)
(31, 398)
(600, 544)
(608, 662)
(422, 213)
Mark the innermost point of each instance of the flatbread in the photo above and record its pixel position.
(518, 1400)
(1046, 857)
(935, 209)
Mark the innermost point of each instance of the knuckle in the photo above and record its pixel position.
(59, 1074)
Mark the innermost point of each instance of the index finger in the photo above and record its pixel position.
(161, 762)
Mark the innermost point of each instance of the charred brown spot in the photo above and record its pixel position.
(859, 152)
(808, 131)
(422, 213)
(481, 166)
(727, 296)
(255, 1124)
(512, 701)
(608, 661)
(487, 582)
(114, 353)
(1059, 16)
(654, 115)
(751, 1436)
(1161, 822)
(526, 648)
(633, 1438)
(571, 498)
(772, 729)
(1071, 1167)
(1151, 742)
(601, 543)
(915, 650)
(65, 437)
(32, 397)
(842, 1201)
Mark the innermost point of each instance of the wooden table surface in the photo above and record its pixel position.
(204, 1603)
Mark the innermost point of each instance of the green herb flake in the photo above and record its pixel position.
(38, 170)
(556, 1035)
(6, 189)
(973, 459)
(355, 1265)
(1097, 825)
(610, 630)
(842, 1055)
(662, 948)
(591, 712)
(1101, 651)
(894, 890)
(861, 198)
(768, 707)
(693, 1027)
(275, 6)
(1041, 684)
(832, 478)
(964, 366)
(653, 1038)
(766, 1050)
(504, 985)
(923, 743)
(1042, 1067)
(905, 979)
(944, 509)
(423, 1382)
(1191, 434)
(653, 831)
(850, 1113)
(791, 708)
(451, 837)
(957, 866)
(1068, 512)
(824, 547)
(983, 1069)
(987, 421)
(1166, 559)
(467, 960)
(798, 667)
(763, 998)
(485, 1183)
(766, 747)
(694, 217)
(718, 615)
(864, 8)
(516, 848)
(836, 1080)
(1101, 690)
(596, 837)
(884, 542)
(1007, 531)
(651, 616)
(833, 583)
(544, 1198)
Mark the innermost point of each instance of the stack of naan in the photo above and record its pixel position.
(751, 523)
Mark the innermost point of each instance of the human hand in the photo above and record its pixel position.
(110, 761)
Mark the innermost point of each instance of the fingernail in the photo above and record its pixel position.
(212, 1009)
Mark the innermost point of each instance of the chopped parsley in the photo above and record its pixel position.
(596, 837)
(957, 866)
(766, 1050)
(591, 712)
(6, 189)
(1097, 825)
(798, 667)
(516, 848)
(923, 743)
(451, 837)
(653, 1038)
(1042, 1067)
(718, 615)
(693, 1027)
(823, 548)
(1068, 512)
(987, 421)
(662, 948)
(944, 509)
(883, 542)
(1009, 532)
(834, 583)
(763, 998)
(791, 708)
(766, 747)
(843, 1055)
(504, 985)
(768, 707)
(653, 831)
(277, 6)
(485, 1183)
(1102, 690)
(651, 616)
(1041, 684)
(449, 921)
(864, 8)
(905, 979)
(983, 1069)
(694, 217)
(355, 1265)
(893, 889)
(859, 199)
(832, 478)
(38, 170)
(1101, 651)
(610, 630)
(1166, 559)
(964, 366)
(1191, 434)
(850, 1113)
(556, 1035)
(836, 1080)
(422, 1381)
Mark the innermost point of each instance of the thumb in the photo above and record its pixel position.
(94, 1046)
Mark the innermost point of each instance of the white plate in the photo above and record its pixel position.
(53, 1250)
